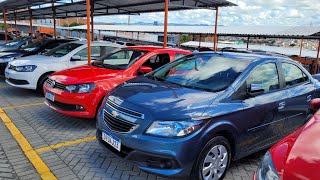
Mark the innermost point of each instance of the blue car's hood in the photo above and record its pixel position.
(162, 100)
(10, 54)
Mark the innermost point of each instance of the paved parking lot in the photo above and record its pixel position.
(63, 146)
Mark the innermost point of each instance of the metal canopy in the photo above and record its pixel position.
(67, 9)
(306, 32)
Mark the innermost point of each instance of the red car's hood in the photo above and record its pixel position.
(85, 74)
(302, 159)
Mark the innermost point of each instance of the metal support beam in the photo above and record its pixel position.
(165, 35)
(301, 45)
(5, 25)
(30, 13)
(248, 42)
(15, 23)
(317, 59)
(88, 30)
(215, 37)
(54, 21)
(91, 14)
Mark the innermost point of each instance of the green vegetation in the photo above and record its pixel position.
(2, 25)
(72, 24)
(184, 38)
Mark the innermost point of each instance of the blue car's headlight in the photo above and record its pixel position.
(80, 88)
(266, 170)
(27, 68)
(5, 60)
(173, 128)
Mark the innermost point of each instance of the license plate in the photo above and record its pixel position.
(112, 140)
(50, 96)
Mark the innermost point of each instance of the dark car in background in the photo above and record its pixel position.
(196, 114)
(3, 38)
(32, 49)
(16, 44)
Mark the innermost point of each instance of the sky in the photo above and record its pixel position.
(248, 12)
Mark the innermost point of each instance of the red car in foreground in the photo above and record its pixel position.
(297, 156)
(79, 91)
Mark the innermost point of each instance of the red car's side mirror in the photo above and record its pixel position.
(315, 104)
(145, 69)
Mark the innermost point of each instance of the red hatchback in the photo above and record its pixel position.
(79, 91)
(297, 156)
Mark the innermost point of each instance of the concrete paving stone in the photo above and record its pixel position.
(89, 176)
(26, 172)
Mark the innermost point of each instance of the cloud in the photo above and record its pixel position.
(258, 12)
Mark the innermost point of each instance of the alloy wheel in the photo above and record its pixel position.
(215, 163)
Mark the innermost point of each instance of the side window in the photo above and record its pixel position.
(293, 74)
(157, 61)
(177, 56)
(105, 49)
(266, 75)
(95, 53)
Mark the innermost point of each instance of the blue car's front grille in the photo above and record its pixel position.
(118, 124)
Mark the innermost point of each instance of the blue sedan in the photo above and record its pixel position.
(195, 115)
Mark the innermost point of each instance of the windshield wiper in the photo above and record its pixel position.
(155, 78)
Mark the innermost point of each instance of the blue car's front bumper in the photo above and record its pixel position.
(162, 156)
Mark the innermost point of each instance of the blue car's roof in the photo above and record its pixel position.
(247, 56)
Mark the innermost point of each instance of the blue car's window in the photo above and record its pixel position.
(293, 75)
(266, 75)
(202, 71)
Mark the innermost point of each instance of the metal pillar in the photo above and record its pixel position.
(54, 21)
(91, 14)
(301, 44)
(199, 40)
(215, 37)
(88, 30)
(30, 12)
(317, 59)
(5, 25)
(165, 35)
(99, 36)
(15, 23)
(248, 42)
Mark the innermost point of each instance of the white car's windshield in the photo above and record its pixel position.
(63, 49)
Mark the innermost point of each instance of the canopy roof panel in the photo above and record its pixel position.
(72, 8)
(254, 31)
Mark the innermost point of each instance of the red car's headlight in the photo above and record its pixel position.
(266, 170)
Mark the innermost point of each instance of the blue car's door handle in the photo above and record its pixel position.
(282, 105)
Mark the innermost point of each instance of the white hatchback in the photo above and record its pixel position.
(31, 72)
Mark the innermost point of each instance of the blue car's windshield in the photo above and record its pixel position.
(202, 71)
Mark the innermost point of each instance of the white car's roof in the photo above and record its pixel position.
(98, 43)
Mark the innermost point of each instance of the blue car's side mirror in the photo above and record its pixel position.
(255, 89)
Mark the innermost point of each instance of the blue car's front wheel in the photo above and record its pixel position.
(213, 160)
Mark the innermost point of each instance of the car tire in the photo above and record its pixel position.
(213, 160)
(41, 82)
